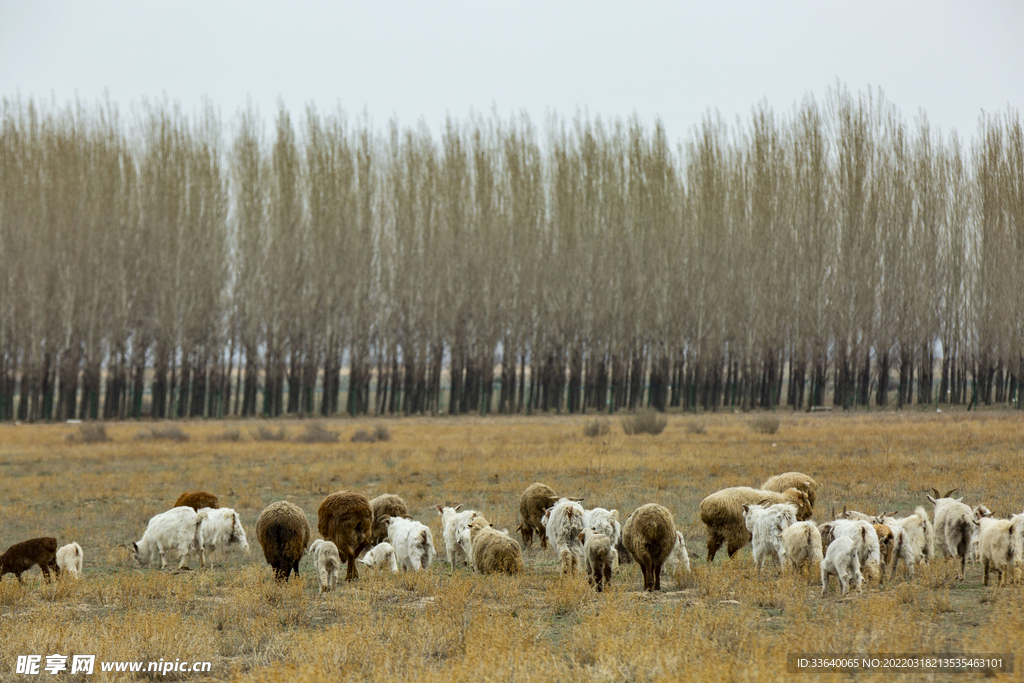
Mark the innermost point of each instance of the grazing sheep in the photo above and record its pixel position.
(857, 516)
(649, 535)
(722, 513)
(955, 525)
(283, 532)
(327, 562)
(678, 560)
(766, 525)
(222, 528)
(492, 550)
(1002, 546)
(915, 539)
(887, 542)
(623, 555)
(605, 522)
(197, 500)
(974, 550)
(868, 547)
(380, 556)
(346, 519)
(36, 551)
(413, 543)
(451, 522)
(597, 556)
(536, 499)
(386, 504)
(69, 559)
(793, 480)
(562, 526)
(801, 542)
(179, 528)
(842, 560)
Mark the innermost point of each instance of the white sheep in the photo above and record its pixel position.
(380, 556)
(973, 550)
(955, 526)
(801, 542)
(678, 560)
(868, 548)
(451, 522)
(563, 523)
(326, 562)
(413, 543)
(178, 528)
(1001, 546)
(766, 525)
(915, 539)
(222, 529)
(842, 560)
(69, 559)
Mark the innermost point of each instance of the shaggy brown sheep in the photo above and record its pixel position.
(346, 519)
(197, 500)
(385, 505)
(20, 557)
(283, 533)
(650, 535)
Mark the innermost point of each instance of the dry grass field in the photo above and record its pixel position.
(719, 623)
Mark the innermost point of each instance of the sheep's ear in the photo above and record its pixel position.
(577, 500)
(951, 492)
(960, 499)
(844, 510)
(440, 510)
(386, 519)
(135, 546)
(615, 515)
(582, 536)
(746, 508)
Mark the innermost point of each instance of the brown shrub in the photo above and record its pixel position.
(644, 422)
(315, 433)
(765, 424)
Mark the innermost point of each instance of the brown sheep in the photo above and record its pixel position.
(722, 513)
(886, 545)
(346, 519)
(283, 533)
(650, 535)
(20, 557)
(384, 506)
(197, 500)
(535, 500)
(793, 480)
(597, 554)
(493, 551)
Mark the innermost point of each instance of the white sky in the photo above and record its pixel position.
(422, 60)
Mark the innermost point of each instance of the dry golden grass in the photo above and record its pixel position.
(718, 623)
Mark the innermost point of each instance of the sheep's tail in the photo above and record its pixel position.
(197, 537)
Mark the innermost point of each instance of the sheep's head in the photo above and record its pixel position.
(804, 509)
(142, 558)
(546, 517)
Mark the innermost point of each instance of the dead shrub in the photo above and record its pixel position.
(229, 435)
(596, 427)
(381, 433)
(170, 433)
(765, 424)
(696, 427)
(363, 436)
(265, 434)
(89, 433)
(315, 433)
(644, 422)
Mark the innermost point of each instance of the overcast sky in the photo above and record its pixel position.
(423, 60)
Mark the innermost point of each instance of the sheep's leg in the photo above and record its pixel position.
(543, 540)
(607, 575)
(824, 582)
(657, 577)
(20, 580)
(45, 570)
(985, 566)
(352, 574)
(963, 567)
(715, 541)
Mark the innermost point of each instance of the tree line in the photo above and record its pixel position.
(170, 265)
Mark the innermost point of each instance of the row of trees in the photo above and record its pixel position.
(168, 266)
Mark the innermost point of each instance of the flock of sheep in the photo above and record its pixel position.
(379, 533)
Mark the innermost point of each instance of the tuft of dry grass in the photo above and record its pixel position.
(232, 435)
(381, 433)
(262, 433)
(765, 424)
(644, 421)
(596, 427)
(363, 436)
(168, 433)
(315, 433)
(695, 426)
(89, 433)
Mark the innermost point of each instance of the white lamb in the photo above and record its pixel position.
(413, 543)
(179, 528)
(842, 560)
(955, 526)
(678, 562)
(801, 542)
(766, 525)
(563, 523)
(974, 550)
(327, 562)
(605, 522)
(868, 549)
(915, 539)
(451, 522)
(69, 559)
(222, 529)
(1002, 545)
(380, 556)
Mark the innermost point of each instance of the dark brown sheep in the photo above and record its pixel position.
(384, 506)
(20, 557)
(197, 500)
(346, 519)
(535, 500)
(283, 533)
(650, 535)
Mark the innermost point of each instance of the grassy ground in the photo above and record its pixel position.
(719, 623)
